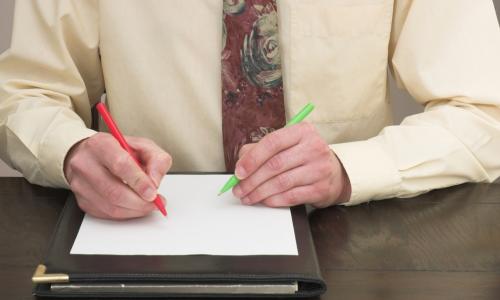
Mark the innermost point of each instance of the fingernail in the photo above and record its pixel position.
(237, 191)
(246, 201)
(240, 172)
(149, 194)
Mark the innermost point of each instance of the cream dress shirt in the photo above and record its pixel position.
(160, 64)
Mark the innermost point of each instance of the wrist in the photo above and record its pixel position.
(67, 170)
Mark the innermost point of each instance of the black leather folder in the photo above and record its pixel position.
(141, 276)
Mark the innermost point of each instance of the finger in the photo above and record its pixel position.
(94, 204)
(295, 196)
(118, 193)
(155, 160)
(269, 146)
(94, 177)
(299, 176)
(111, 212)
(121, 164)
(280, 163)
(245, 149)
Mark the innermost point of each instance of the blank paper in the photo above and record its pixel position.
(198, 222)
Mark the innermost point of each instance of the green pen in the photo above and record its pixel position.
(297, 119)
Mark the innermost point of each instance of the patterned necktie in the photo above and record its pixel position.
(252, 89)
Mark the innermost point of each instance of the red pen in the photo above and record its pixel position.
(106, 116)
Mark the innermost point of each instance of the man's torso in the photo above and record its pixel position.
(161, 64)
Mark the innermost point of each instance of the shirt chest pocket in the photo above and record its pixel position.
(337, 56)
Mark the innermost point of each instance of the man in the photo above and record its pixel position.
(161, 63)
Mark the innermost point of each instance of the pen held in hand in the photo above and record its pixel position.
(301, 115)
(115, 132)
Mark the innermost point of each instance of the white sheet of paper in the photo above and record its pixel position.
(198, 222)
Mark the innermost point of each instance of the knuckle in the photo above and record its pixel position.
(321, 191)
(325, 151)
(293, 197)
(121, 163)
(324, 169)
(98, 140)
(113, 211)
(275, 163)
(80, 200)
(323, 188)
(284, 181)
(320, 204)
(272, 141)
(244, 148)
(77, 163)
(254, 196)
(258, 195)
(82, 206)
(245, 186)
(114, 194)
(165, 158)
(306, 127)
(249, 163)
(138, 139)
(93, 141)
(141, 184)
(319, 146)
(149, 142)
(272, 201)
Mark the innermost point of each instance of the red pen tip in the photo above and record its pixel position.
(161, 207)
(163, 211)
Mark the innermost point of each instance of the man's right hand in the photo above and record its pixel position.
(106, 180)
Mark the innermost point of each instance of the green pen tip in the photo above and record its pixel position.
(229, 184)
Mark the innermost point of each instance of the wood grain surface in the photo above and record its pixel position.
(441, 245)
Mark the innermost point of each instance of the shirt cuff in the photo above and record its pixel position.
(372, 172)
(56, 145)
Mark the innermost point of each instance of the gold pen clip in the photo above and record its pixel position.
(41, 277)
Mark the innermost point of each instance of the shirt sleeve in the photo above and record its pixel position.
(49, 79)
(446, 54)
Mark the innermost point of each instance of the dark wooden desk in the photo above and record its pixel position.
(442, 245)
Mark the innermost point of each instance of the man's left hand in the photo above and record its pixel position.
(291, 166)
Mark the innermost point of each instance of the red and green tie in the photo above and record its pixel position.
(252, 88)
